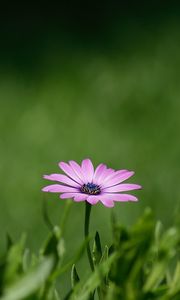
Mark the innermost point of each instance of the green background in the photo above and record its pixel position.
(97, 83)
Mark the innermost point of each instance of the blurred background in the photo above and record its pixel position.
(101, 81)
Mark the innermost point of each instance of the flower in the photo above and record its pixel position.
(83, 183)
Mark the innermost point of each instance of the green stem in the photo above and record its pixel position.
(86, 233)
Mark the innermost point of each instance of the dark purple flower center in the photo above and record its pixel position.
(91, 189)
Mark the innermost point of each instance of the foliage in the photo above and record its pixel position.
(141, 263)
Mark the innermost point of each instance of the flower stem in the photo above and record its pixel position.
(86, 233)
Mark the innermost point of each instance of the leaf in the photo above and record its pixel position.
(104, 256)
(26, 260)
(166, 251)
(54, 245)
(62, 269)
(9, 241)
(158, 231)
(48, 293)
(83, 290)
(14, 261)
(175, 285)
(74, 276)
(97, 250)
(30, 282)
(114, 293)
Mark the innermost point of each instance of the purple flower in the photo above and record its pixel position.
(83, 183)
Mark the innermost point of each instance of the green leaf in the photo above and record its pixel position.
(26, 260)
(104, 256)
(14, 261)
(83, 290)
(114, 292)
(166, 251)
(9, 241)
(74, 276)
(97, 250)
(158, 231)
(30, 282)
(175, 285)
(62, 269)
(54, 245)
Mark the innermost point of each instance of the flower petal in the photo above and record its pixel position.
(105, 175)
(88, 170)
(93, 199)
(80, 197)
(58, 188)
(62, 178)
(107, 202)
(120, 197)
(98, 172)
(113, 174)
(118, 178)
(77, 169)
(67, 195)
(77, 196)
(102, 174)
(69, 171)
(122, 188)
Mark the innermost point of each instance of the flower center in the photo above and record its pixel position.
(91, 189)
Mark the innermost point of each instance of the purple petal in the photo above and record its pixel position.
(58, 188)
(122, 188)
(107, 202)
(112, 175)
(109, 176)
(62, 178)
(80, 197)
(69, 171)
(120, 197)
(118, 178)
(67, 195)
(77, 196)
(102, 174)
(88, 170)
(98, 172)
(105, 175)
(93, 199)
(77, 169)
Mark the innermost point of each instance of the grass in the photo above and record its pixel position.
(140, 263)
